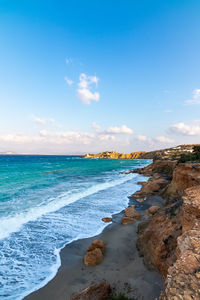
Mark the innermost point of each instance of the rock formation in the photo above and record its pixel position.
(169, 239)
(152, 210)
(98, 291)
(131, 214)
(94, 255)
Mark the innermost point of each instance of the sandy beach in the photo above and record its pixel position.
(122, 267)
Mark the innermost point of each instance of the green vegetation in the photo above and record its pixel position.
(121, 297)
(193, 156)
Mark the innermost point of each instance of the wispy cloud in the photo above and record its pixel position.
(142, 138)
(44, 121)
(163, 139)
(168, 111)
(84, 91)
(38, 120)
(195, 98)
(68, 81)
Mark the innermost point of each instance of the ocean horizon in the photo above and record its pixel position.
(48, 201)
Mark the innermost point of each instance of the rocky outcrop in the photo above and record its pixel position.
(152, 210)
(98, 291)
(184, 176)
(183, 278)
(157, 239)
(169, 239)
(115, 155)
(131, 214)
(94, 255)
(165, 167)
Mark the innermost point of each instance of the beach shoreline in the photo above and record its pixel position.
(128, 274)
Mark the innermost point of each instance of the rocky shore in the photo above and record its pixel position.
(169, 240)
(152, 249)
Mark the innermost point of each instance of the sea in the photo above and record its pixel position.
(47, 202)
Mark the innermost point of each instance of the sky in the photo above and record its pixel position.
(88, 76)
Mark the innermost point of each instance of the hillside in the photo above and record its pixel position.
(169, 153)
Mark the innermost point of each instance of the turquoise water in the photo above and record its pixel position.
(49, 201)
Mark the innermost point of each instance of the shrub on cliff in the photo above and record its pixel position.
(194, 156)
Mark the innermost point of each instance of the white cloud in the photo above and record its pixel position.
(84, 89)
(68, 81)
(181, 128)
(86, 96)
(118, 130)
(48, 141)
(195, 99)
(38, 120)
(163, 139)
(45, 121)
(112, 129)
(168, 110)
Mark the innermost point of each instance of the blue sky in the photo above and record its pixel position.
(87, 76)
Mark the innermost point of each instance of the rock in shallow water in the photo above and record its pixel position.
(106, 220)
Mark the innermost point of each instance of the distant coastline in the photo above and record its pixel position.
(168, 153)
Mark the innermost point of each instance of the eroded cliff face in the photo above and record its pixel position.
(183, 277)
(169, 240)
(184, 176)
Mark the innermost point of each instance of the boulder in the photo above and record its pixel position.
(97, 244)
(131, 214)
(98, 291)
(94, 257)
(152, 210)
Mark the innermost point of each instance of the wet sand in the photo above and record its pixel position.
(122, 267)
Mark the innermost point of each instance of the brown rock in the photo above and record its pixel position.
(107, 219)
(157, 239)
(152, 186)
(131, 214)
(126, 220)
(97, 244)
(140, 200)
(152, 210)
(94, 257)
(191, 208)
(98, 291)
(184, 176)
(165, 167)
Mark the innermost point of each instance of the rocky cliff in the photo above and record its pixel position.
(169, 240)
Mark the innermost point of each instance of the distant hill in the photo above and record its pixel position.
(169, 153)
